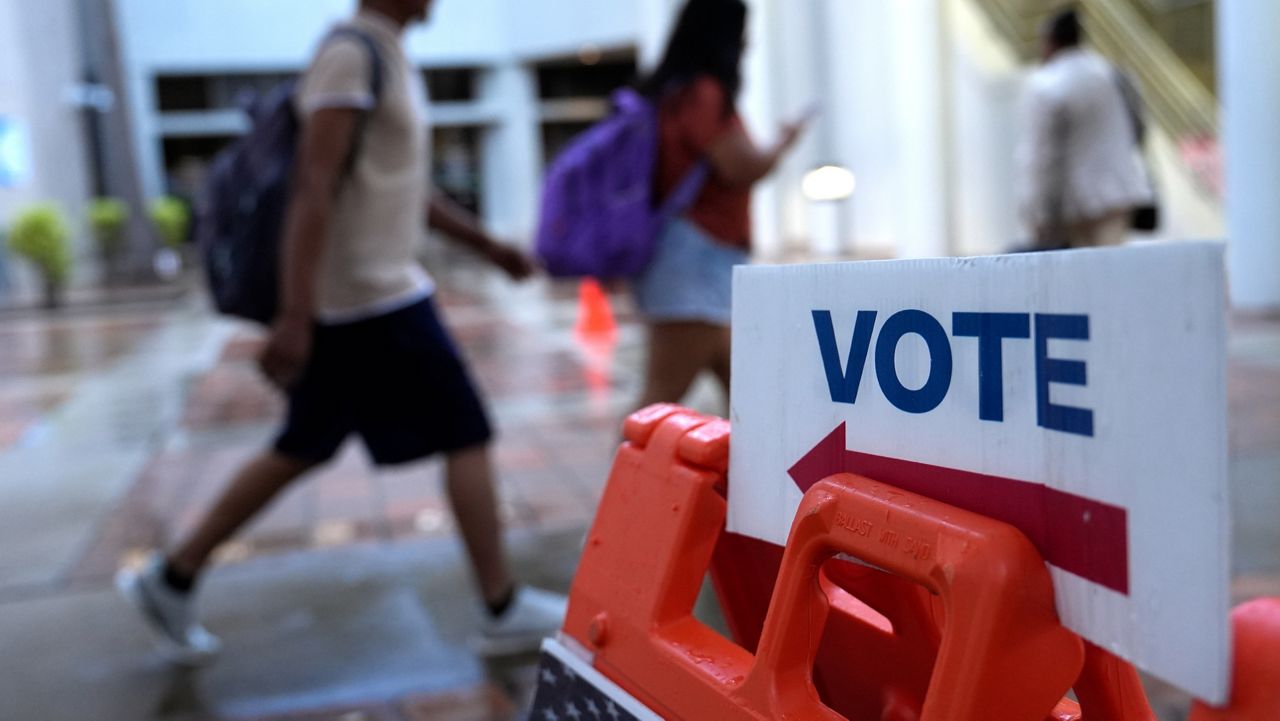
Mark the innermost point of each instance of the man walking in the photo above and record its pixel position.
(1082, 171)
(357, 344)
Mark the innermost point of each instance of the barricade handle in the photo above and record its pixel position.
(1002, 624)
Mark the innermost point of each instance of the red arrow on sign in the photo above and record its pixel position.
(1077, 534)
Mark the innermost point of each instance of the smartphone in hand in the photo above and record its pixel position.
(812, 111)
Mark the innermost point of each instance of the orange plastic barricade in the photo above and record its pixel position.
(884, 606)
(1255, 682)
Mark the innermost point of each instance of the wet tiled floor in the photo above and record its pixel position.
(551, 465)
(41, 361)
(118, 427)
(79, 397)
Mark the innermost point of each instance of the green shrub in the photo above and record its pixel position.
(171, 219)
(108, 219)
(40, 235)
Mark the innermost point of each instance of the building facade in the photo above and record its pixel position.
(509, 80)
(918, 99)
(42, 153)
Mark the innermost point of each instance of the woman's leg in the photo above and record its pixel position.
(722, 361)
(678, 351)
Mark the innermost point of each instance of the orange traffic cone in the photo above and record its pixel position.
(595, 317)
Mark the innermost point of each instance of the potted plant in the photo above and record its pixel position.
(108, 221)
(172, 220)
(40, 235)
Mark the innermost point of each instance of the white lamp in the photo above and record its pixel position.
(828, 183)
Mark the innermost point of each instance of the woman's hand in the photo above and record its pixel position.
(792, 132)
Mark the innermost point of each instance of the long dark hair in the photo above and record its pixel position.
(709, 39)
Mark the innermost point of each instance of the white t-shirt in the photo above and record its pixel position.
(369, 266)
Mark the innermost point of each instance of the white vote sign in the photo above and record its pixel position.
(1080, 396)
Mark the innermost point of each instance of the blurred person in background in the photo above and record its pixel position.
(357, 344)
(1082, 173)
(684, 294)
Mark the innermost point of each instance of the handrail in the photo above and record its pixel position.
(1176, 98)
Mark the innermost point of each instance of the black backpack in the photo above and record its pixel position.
(240, 222)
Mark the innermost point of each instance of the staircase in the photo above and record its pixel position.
(1168, 45)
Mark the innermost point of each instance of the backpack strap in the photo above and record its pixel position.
(682, 197)
(629, 100)
(1132, 105)
(377, 79)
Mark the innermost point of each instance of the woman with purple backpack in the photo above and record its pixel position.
(684, 294)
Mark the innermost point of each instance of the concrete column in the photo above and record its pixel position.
(1249, 82)
(511, 154)
(656, 20)
(799, 74)
(858, 107)
(41, 65)
(986, 80)
(13, 104)
(922, 108)
(765, 64)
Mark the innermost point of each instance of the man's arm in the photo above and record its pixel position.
(327, 140)
(461, 226)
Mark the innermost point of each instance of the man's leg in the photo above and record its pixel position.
(1114, 228)
(519, 616)
(1110, 229)
(161, 588)
(416, 400)
(469, 483)
(256, 484)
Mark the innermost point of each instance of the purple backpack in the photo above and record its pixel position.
(599, 217)
(240, 222)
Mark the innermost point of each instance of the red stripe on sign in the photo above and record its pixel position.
(1077, 534)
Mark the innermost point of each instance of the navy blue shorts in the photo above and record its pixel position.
(396, 380)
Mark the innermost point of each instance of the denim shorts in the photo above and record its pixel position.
(396, 380)
(690, 277)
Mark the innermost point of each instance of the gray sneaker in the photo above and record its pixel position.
(533, 615)
(167, 613)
